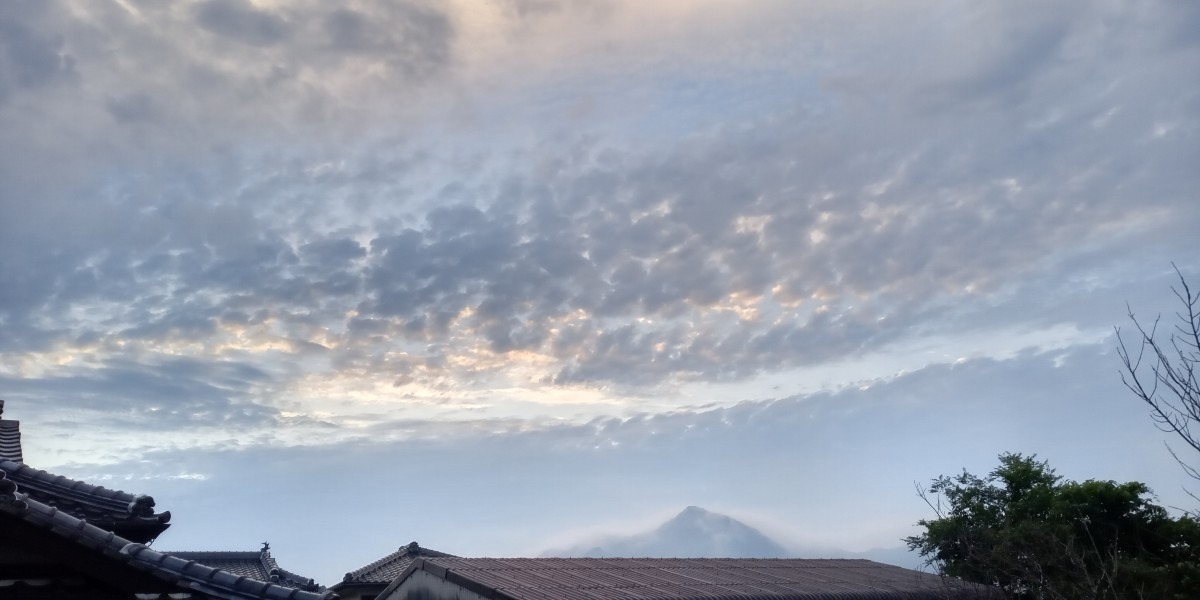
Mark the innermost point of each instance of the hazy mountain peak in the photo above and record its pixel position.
(693, 521)
(693, 533)
(695, 512)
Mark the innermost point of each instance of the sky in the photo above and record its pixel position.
(500, 275)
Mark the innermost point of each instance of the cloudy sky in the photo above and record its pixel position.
(497, 275)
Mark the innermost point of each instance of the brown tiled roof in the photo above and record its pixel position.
(129, 515)
(258, 565)
(187, 575)
(686, 579)
(384, 570)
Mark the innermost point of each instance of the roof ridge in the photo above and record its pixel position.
(173, 569)
(213, 553)
(269, 566)
(133, 516)
(387, 567)
(273, 568)
(268, 561)
(68, 484)
(403, 551)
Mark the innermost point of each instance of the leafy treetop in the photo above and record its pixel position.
(1031, 534)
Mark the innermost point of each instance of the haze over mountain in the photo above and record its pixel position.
(699, 533)
(693, 533)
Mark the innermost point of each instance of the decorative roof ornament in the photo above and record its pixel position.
(142, 506)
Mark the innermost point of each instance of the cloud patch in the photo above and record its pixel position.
(241, 21)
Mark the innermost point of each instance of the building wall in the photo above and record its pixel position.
(423, 586)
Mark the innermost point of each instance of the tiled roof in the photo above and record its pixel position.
(384, 570)
(10, 438)
(258, 565)
(686, 579)
(187, 575)
(127, 514)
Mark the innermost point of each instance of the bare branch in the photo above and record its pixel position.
(1165, 373)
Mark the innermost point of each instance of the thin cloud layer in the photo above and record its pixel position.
(827, 470)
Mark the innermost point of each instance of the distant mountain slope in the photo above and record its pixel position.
(896, 555)
(899, 556)
(693, 533)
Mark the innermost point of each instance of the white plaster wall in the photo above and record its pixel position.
(423, 586)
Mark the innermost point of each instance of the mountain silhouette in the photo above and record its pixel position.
(693, 533)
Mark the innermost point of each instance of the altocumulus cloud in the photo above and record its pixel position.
(398, 210)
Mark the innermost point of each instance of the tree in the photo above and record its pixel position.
(1162, 372)
(1027, 532)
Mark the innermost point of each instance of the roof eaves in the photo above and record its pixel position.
(360, 573)
(218, 554)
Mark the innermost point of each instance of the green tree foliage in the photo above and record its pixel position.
(1033, 535)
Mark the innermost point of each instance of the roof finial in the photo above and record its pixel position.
(266, 549)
